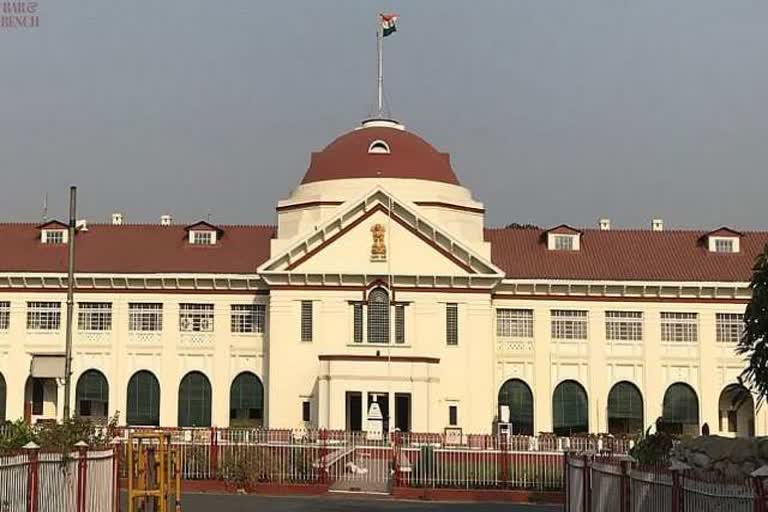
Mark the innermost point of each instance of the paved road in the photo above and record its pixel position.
(234, 503)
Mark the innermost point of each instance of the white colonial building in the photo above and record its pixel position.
(380, 283)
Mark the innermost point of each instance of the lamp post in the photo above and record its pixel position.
(70, 299)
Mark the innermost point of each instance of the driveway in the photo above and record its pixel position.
(335, 503)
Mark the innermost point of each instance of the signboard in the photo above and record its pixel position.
(453, 436)
(47, 366)
(375, 422)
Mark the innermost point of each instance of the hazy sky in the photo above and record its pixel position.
(553, 111)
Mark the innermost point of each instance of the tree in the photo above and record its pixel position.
(754, 340)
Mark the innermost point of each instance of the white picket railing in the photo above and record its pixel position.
(82, 481)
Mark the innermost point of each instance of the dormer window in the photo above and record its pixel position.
(379, 147)
(724, 245)
(54, 236)
(723, 240)
(202, 237)
(564, 242)
(53, 233)
(563, 238)
(204, 233)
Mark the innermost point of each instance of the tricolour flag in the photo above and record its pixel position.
(388, 23)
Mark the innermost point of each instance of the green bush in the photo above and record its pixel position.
(56, 437)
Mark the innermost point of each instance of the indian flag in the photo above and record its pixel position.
(388, 23)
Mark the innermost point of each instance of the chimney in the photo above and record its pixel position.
(81, 225)
(605, 224)
(165, 220)
(117, 219)
(657, 225)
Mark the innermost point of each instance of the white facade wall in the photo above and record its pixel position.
(468, 375)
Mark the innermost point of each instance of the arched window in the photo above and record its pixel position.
(570, 412)
(379, 147)
(680, 414)
(246, 401)
(378, 316)
(195, 401)
(3, 394)
(143, 407)
(625, 409)
(737, 411)
(516, 395)
(92, 395)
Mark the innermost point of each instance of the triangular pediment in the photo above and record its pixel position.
(380, 235)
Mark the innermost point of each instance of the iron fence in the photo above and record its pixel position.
(360, 461)
(595, 485)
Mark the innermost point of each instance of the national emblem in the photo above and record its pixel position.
(379, 248)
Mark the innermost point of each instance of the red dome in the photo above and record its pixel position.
(380, 152)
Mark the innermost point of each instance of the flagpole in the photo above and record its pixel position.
(380, 82)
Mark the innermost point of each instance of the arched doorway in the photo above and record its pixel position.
(570, 410)
(246, 401)
(625, 409)
(737, 411)
(194, 401)
(680, 414)
(143, 406)
(3, 395)
(41, 399)
(516, 395)
(92, 395)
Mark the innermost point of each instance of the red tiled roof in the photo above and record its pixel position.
(630, 255)
(623, 255)
(136, 248)
(410, 157)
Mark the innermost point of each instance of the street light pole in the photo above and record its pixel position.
(70, 298)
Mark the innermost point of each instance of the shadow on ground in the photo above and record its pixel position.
(336, 503)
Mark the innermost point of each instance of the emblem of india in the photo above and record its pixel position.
(379, 248)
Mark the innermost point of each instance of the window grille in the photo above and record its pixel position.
(194, 401)
(625, 409)
(729, 327)
(680, 327)
(623, 325)
(143, 404)
(517, 396)
(723, 245)
(54, 237)
(306, 320)
(452, 324)
(44, 316)
(145, 316)
(246, 401)
(202, 238)
(563, 243)
(400, 323)
(248, 318)
(570, 409)
(378, 316)
(357, 312)
(92, 395)
(94, 316)
(569, 325)
(514, 323)
(196, 317)
(5, 314)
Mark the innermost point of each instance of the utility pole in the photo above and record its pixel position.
(70, 299)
